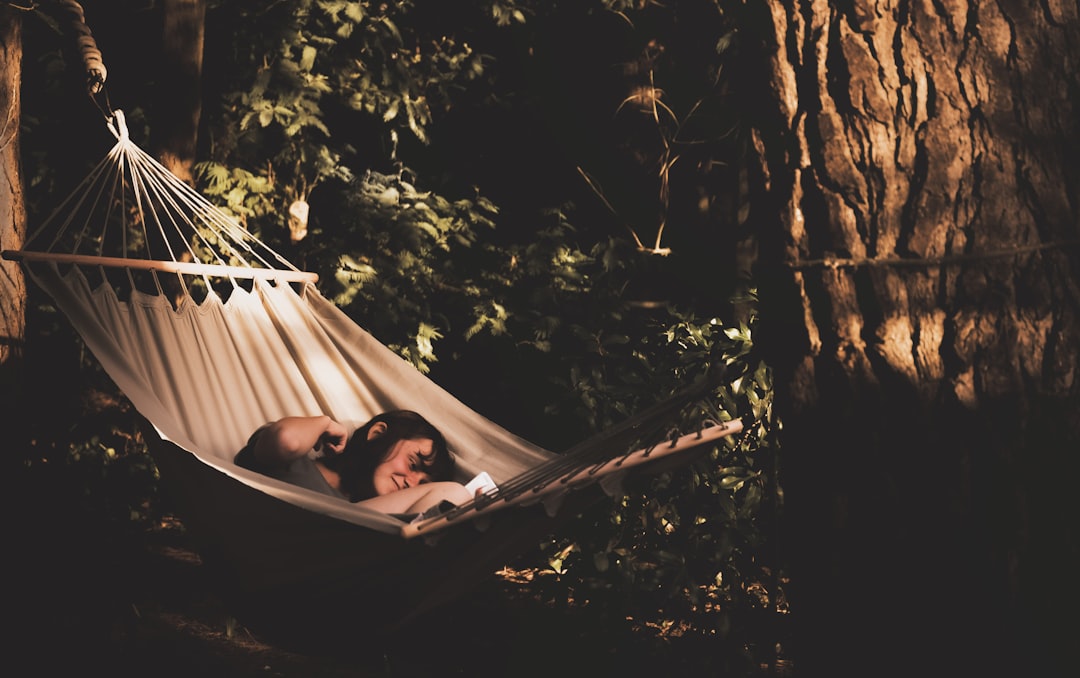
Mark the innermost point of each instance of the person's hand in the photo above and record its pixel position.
(332, 440)
(293, 437)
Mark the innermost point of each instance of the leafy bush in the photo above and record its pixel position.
(533, 316)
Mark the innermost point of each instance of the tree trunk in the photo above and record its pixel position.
(178, 97)
(917, 211)
(12, 226)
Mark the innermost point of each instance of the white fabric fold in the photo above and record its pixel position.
(207, 374)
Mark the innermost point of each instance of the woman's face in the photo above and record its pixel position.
(403, 466)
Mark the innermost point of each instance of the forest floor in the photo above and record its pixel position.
(148, 608)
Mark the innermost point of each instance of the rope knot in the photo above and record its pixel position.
(118, 126)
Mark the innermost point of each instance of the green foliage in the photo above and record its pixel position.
(680, 536)
(340, 105)
(399, 260)
(85, 453)
(337, 89)
(312, 81)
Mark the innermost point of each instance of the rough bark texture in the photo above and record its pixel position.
(12, 220)
(178, 97)
(920, 287)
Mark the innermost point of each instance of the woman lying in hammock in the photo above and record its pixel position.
(396, 463)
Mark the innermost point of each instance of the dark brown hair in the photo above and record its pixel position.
(356, 463)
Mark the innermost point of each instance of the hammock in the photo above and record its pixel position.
(211, 334)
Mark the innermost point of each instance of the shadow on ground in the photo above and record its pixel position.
(143, 606)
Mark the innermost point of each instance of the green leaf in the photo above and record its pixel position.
(391, 111)
(307, 59)
(355, 11)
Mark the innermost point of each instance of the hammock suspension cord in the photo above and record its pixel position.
(585, 462)
(131, 191)
(88, 49)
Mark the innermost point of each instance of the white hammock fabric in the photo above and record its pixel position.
(207, 373)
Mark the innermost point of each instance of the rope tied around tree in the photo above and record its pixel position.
(835, 262)
(88, 49)
(87, 46)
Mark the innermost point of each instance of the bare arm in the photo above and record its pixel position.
(418, 498)
(293, 437)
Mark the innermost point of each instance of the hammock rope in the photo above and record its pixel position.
(128, 182)
(88, 49)
(610, 451)
(569, 473)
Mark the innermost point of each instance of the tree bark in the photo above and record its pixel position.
(917, 209)
(12, 225)
(178, 97)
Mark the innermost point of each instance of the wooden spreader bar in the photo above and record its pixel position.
(575, 479)
(177, 267)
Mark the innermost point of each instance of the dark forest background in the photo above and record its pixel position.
(866, 211)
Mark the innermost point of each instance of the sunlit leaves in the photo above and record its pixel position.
(507, 13)
(422, 352)
(350, 12)
(694, 529)
(557, 561)
(337, 96)
(398, 268)
(305, 58)
(491, 317)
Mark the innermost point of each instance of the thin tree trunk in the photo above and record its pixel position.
(12, 226)
(919, 283)
(178, 96)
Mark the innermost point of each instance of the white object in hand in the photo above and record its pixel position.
(482, 482)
